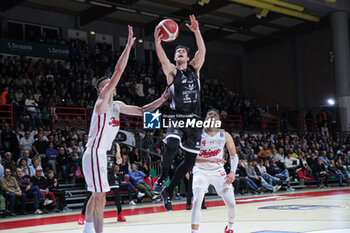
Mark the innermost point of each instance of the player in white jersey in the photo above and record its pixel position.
(103, 129)
(209, 169)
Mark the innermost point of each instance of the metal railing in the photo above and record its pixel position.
(6, 114)
(232, 122)
(305, 124)
(76, 117)
(270, 124)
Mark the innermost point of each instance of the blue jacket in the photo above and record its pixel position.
(136, 177)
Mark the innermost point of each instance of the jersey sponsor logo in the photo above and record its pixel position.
(206, 153)
(113, 122)
(222, 173)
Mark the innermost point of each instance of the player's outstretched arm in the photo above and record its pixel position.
(199, 58)
(106, 95)
(138, 111)
(168, 68)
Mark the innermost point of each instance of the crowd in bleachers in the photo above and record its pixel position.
(270, 161)
(32, 87)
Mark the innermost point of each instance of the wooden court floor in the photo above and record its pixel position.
(316, 210)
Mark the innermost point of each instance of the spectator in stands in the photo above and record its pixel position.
(41, 182)
(35, 165)
(3, 99)
(125, 167)
(9, 140)
(1, 167)
(136, 177)
(334, 171)
(135, 157)
(26, 154)
(9, 184)
(276, 171)
(251, 155)
(311, 160)
(265, 153)
(278, 156)
(243, 173)
(259, 180)
(26, 170)
(115, 181)
(319, 172)
(341, 168)
(292, 164)
(127, 186)
(39, 148)
(26, 142)
(303, 163)
(51, 157)
(33, 110)
(260, 170)
(325, 159)
(60, 195)
(75, 159)
(31, 191)
(63, 161)
(7, 161)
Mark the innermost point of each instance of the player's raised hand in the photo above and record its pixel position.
(131, 38)
(165, 95)
(157, 35)
(230, 178)
(119, 161)
(194, 27)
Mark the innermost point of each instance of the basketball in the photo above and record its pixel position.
(169, 30)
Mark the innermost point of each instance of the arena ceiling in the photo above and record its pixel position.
(249, 22)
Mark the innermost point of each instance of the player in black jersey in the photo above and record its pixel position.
(184, 93)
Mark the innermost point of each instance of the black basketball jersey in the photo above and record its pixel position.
(185, 92)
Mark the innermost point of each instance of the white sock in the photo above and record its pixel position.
(230, 226)
(88, 227)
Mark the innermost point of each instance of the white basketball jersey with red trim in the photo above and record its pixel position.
(212, 147)
(104, 128)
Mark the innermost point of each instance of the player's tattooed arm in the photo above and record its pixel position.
(138, 111)
(168, 68)
(199, 57)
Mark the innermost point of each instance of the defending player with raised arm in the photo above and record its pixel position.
(209, 169)
(184, 94)
(104, 127)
